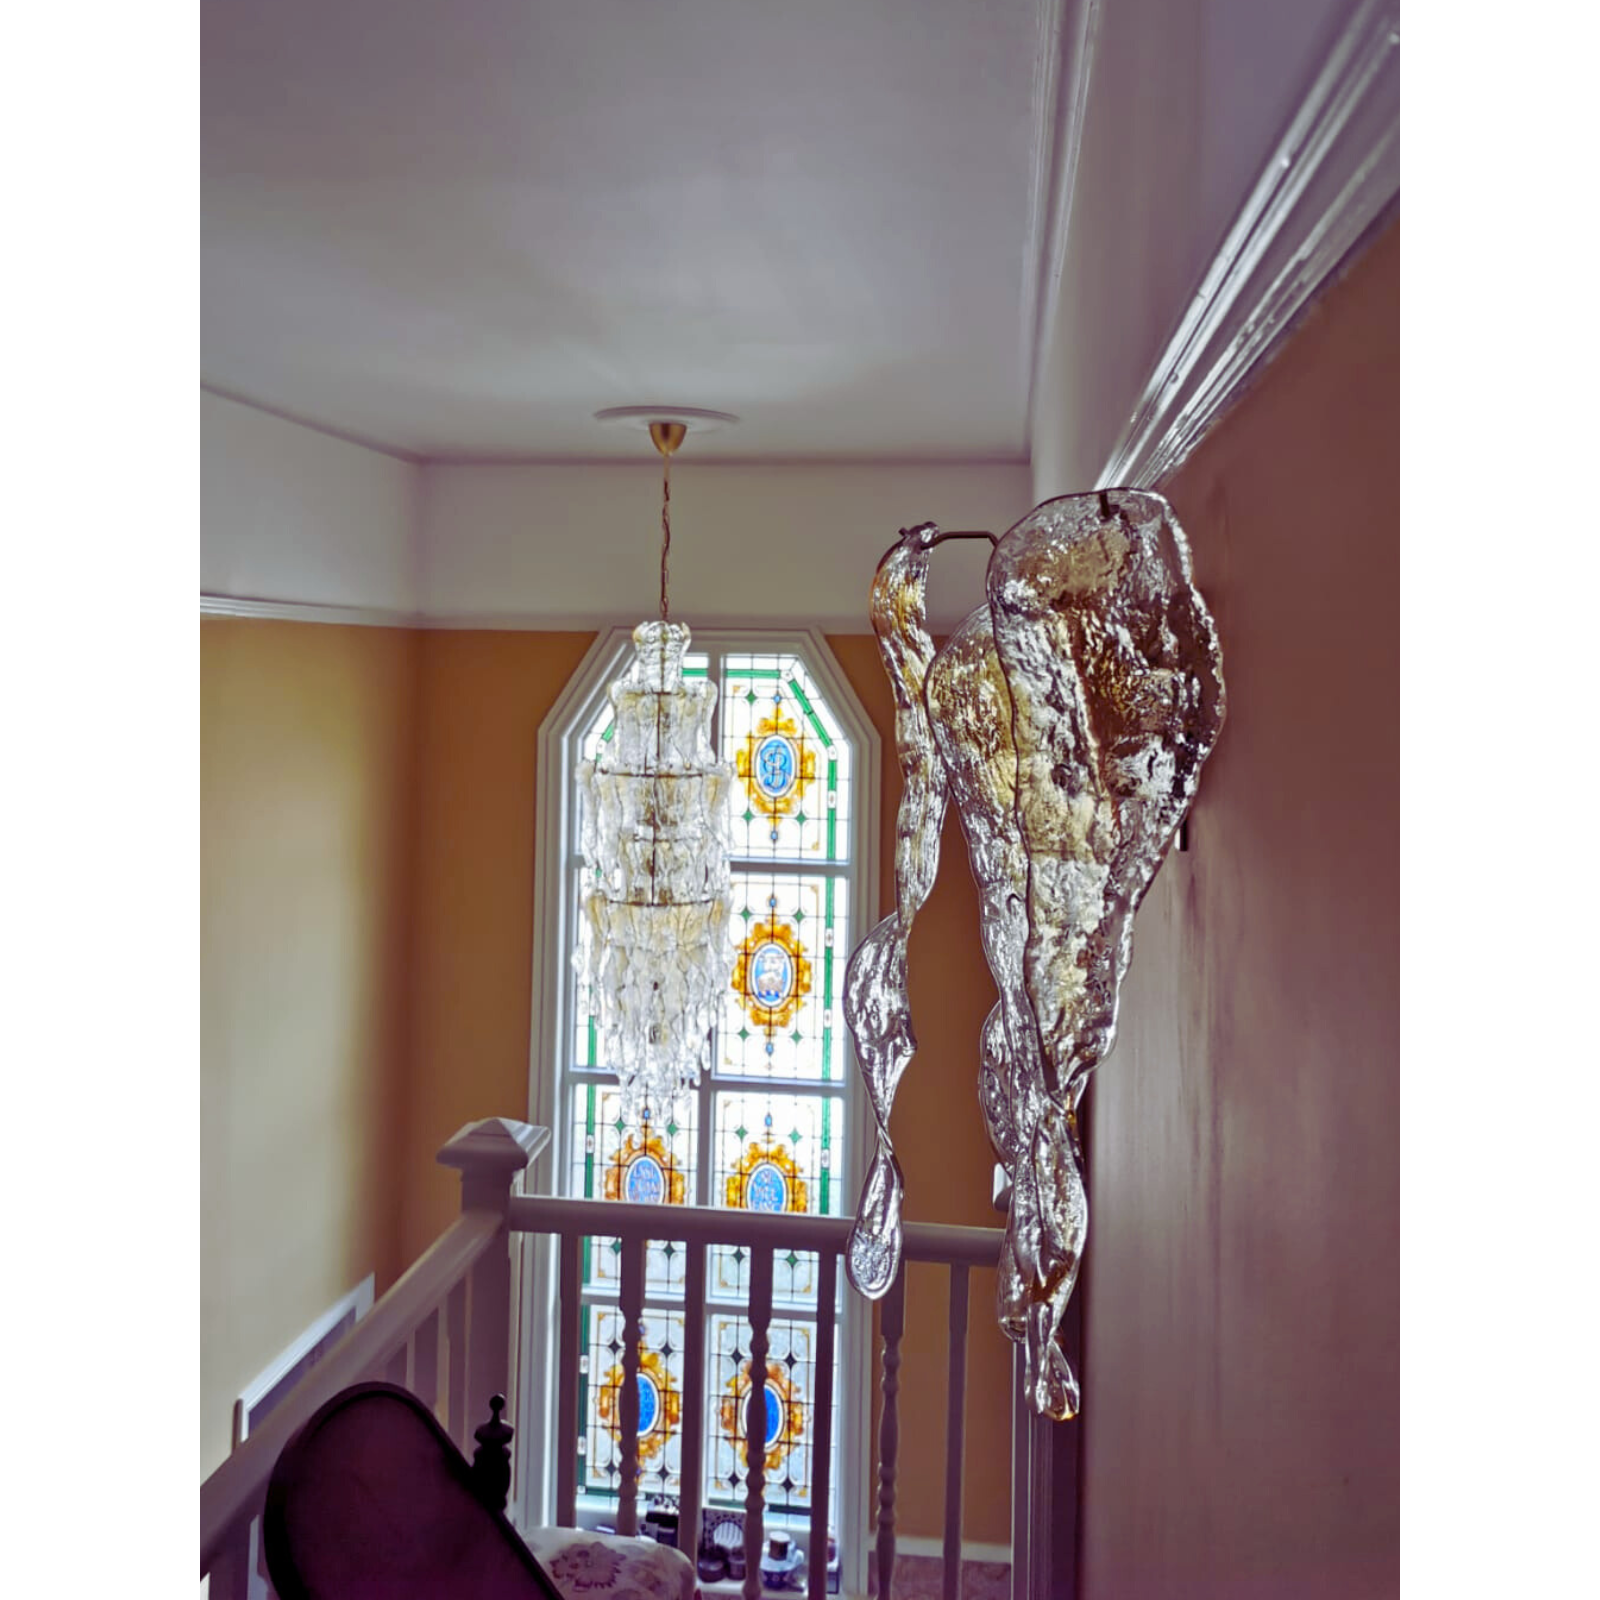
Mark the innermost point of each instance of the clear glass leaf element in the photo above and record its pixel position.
(877, 1008)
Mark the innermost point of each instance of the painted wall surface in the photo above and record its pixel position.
(566, 546)
(287, 513)
(306, 757)
(482, 697)
(1241, 1399)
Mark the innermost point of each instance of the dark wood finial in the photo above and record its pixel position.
(491, 1461)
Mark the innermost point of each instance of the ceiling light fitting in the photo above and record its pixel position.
(655, 832)
(1066, 720)
(644, 417)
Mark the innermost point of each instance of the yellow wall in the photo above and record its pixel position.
(1241, 1371)
(483, 696)
(306, 756)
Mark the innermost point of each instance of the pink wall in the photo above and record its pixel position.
(1241, 1404)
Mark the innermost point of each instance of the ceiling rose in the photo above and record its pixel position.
(640, 417)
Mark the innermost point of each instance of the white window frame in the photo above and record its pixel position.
(553, 941)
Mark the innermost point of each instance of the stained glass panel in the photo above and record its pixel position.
(614, 1159)
(660, 1401)
(764, 1129)
(791, 1424)
(774, 1152)
(791, 759)
(791, 937)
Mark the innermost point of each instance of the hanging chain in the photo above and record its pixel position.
(666, 527)
(666, 546)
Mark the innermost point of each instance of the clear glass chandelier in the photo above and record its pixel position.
(654, 828)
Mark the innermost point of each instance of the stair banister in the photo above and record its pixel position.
(446, 1330)
(464, 1276)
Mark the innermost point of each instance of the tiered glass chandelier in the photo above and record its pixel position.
(654, 828)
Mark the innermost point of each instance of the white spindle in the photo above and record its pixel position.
(395, 1369)
(631, 1300)
(230, 1568)
(459, 1429)
(1041, 1498)
(955, 1428)
(822, 1423)
(567, 1386)
(488, 1333)
(894, 1327)
(755, 1420)
(1032, 1495)
(423, 1379)
(490, 1155)
(1021, 1479)
(261, 1585)
(694, 1399)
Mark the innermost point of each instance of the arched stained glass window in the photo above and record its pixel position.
(774, 1124)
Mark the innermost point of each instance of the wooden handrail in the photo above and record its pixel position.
(234, 1488)
(614, 1219)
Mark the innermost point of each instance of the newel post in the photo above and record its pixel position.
(489, 1154)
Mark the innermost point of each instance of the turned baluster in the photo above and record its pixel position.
(755, 1419)
(894, 1327)
(632, 1306)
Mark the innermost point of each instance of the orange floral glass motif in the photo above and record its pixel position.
(775, 766)
(642, 1171)
(660, 1404)
(766, 1179)
(771, 976)
(786, 1414)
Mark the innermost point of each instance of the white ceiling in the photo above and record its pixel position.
(460, 229)
(457, 230)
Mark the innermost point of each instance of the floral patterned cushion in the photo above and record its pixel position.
(601, 1566)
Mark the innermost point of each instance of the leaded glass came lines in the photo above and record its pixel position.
(765, 1129)
(780, 1014)
(791, 758)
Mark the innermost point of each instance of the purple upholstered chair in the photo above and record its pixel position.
(371, 1501)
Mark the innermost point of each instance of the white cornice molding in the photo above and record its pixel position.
(1068, 32)
(1046, 81)
(223, 605)
(1332, 175)
(343, 435)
